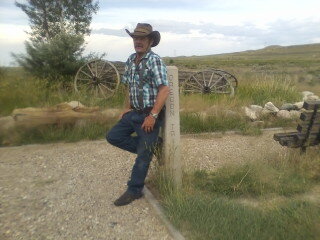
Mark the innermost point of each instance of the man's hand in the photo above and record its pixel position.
(148, 124)
(124, 112)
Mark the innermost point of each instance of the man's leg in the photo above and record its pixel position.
(120, 134)
(145, 149)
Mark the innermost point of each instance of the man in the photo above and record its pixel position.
(146, 77)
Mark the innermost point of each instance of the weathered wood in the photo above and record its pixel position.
(298, 140)
(306, 116)
(311, 105)
(284, 141)
(99, 78)
(171, 130)
(308, 131)
(302, 136)
(61, 114)
(303, 128)
(278, 136)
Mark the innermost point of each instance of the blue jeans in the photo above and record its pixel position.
(143, 145)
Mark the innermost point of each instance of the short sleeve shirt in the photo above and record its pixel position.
(155, 74)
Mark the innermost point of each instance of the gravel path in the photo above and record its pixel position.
(208, 151)
(66, 190)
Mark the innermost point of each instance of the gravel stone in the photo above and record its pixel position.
(66, 191)
(209, 151)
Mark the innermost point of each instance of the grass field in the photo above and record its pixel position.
(271, 196)
(275, 74)
(297, 64)
(19, 89)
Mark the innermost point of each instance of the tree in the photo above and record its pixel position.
(57, 59)
(56, 43)
(49, 18)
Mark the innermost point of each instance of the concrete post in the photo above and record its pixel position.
(171, 130)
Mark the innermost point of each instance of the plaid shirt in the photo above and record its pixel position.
(155, 74)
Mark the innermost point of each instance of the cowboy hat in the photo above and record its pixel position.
(144, 30)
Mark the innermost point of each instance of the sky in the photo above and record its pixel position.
(198, 27)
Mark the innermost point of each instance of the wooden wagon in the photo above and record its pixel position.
(101, 78)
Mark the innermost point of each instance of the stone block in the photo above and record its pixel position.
(284, 114)
(271, 107)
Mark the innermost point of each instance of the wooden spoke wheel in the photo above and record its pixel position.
(99, 78)
(210, 81)
(231, 78)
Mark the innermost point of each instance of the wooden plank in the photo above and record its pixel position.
(278, 136)
(285, 141)
(296, 140)
(311, 105)
(302, 128)
(306, 116)
(302, 136)
(306, 135)
(313, 142)
(294, 145)
(290, 142)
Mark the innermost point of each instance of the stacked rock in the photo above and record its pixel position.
(286, 111)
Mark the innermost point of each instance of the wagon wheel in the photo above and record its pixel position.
(210, 81)
(97, 77)
(231, 78)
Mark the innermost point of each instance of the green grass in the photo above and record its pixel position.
(269, 89)
(208, 113)
(265, 198)
(195, 123)
(219, 218)
(298, 64)
(272, 74)
(253, 180)
(19, 89)
(222, 113)
(49, 134)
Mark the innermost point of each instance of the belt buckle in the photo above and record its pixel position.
(138, 110)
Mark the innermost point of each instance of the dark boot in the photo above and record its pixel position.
(127, 198)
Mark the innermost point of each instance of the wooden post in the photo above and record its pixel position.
(171, 131)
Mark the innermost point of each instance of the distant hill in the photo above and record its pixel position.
(275, 52)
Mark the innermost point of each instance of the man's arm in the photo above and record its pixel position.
(161, 98)
(127, 106)
(149, 121)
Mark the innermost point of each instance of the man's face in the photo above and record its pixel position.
(141, 44)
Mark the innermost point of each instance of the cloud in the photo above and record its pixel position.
(185, 38)
(156, 4)
(111, 32)
(115, 48)
(187, 27)
(10, 14)
(277, 32)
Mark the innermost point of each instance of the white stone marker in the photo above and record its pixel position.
(171, 131)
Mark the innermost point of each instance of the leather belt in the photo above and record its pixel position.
(146, 110)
